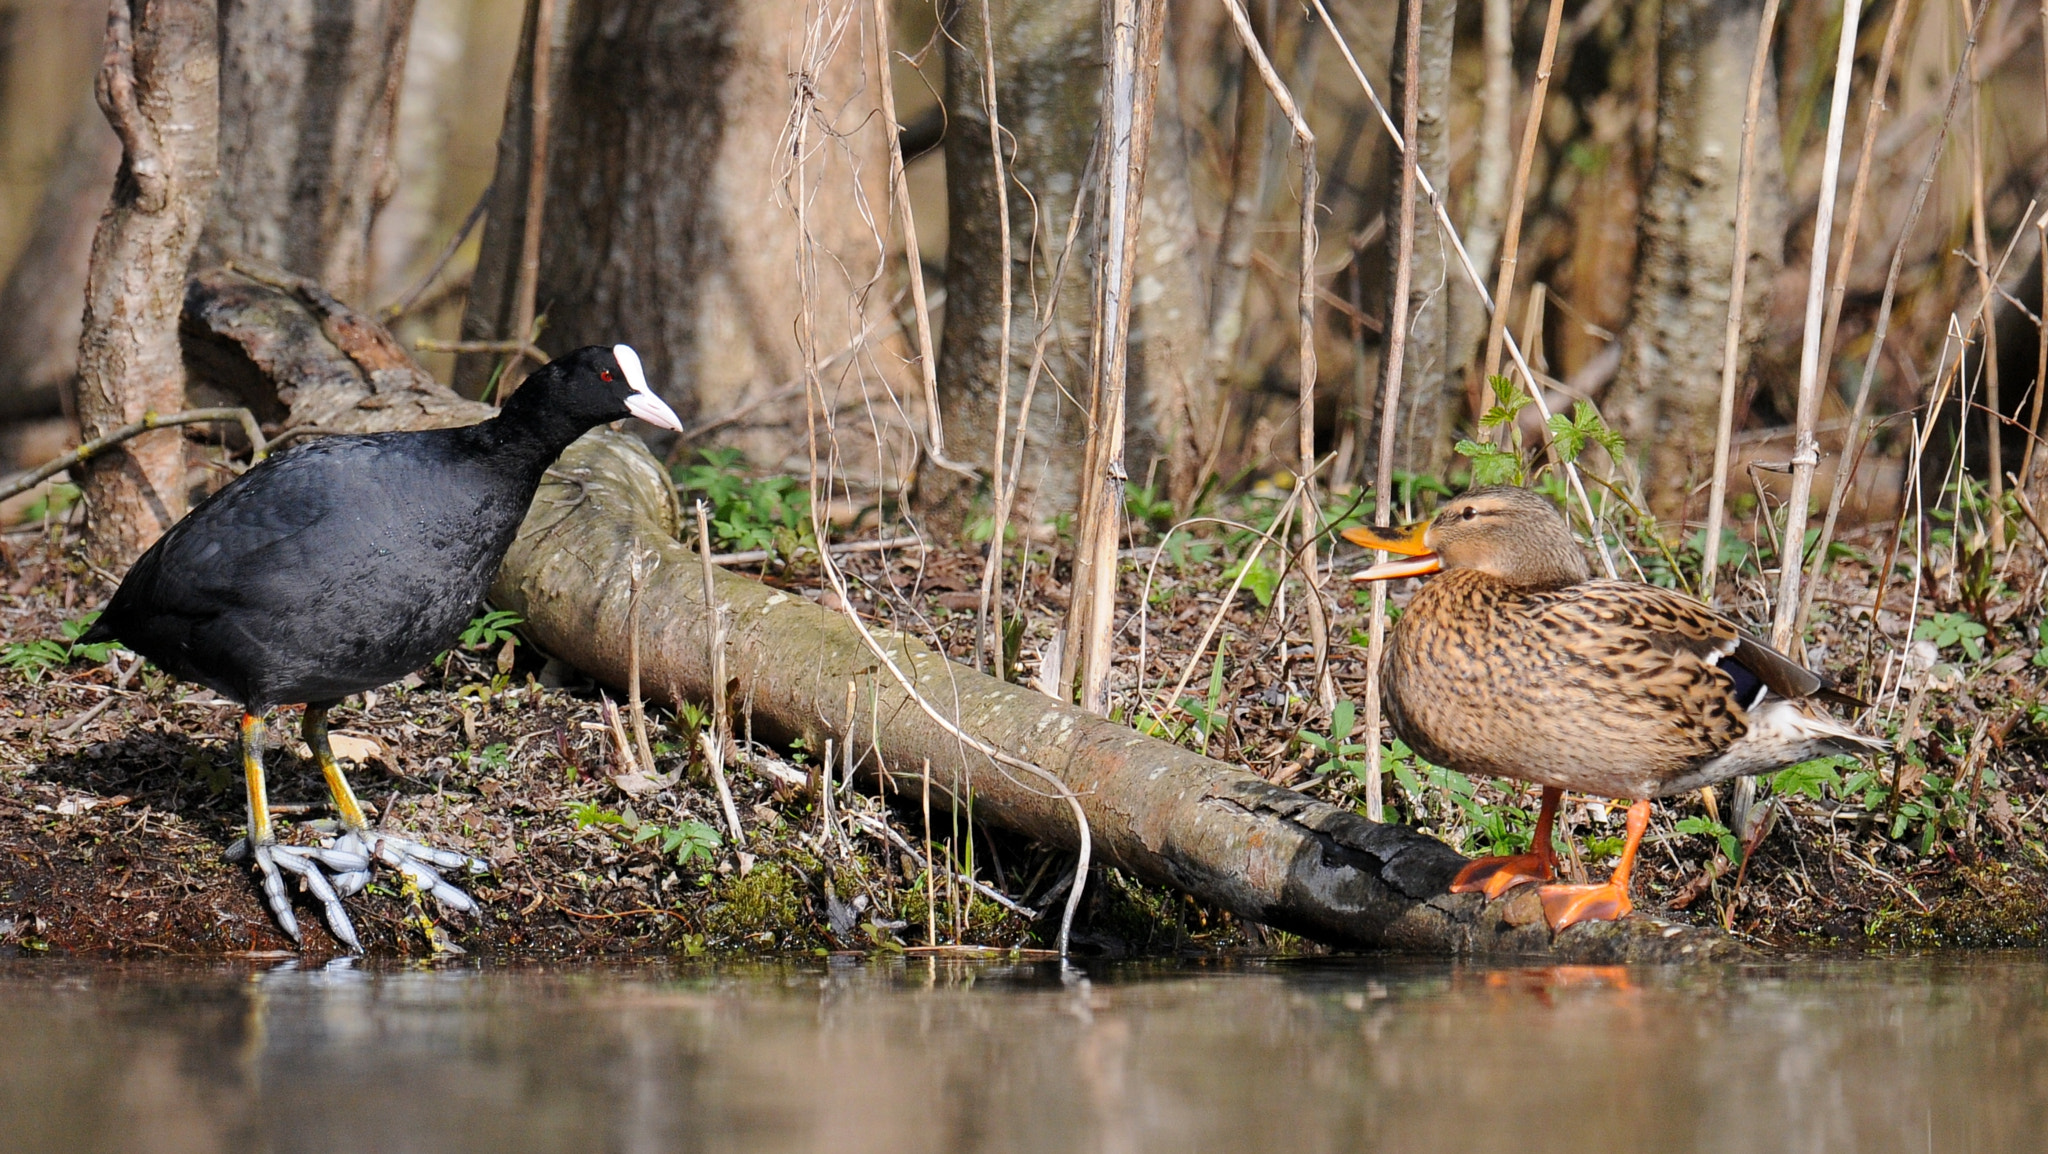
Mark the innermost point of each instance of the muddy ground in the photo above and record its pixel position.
(119, 789)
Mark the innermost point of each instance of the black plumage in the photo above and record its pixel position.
(346, 562)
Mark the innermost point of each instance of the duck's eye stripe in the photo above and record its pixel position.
(629, 361)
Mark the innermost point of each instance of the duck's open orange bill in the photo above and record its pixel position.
(1409, 542)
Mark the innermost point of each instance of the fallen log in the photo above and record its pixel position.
(1160, 812)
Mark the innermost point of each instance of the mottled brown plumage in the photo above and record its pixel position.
(1514, 663)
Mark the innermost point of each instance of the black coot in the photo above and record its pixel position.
(345, 563)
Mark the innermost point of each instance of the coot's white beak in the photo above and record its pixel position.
(643, 403)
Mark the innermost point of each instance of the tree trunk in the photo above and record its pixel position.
(1432, 387)
(665, 225)
(1667, 390)
(159, 88)
(1163, 813)
(1049, 69)
(44, 294)
(308, 97)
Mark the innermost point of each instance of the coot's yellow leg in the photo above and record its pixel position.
(262, 843)
(1608, 901)
(345, 803)
(273, 861)
(1495, 876)
(418, 861)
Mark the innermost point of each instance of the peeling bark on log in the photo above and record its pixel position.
(1163, 813)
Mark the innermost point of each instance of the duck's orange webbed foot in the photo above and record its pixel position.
(1494, 876)
(1569, 905)
(1608, 901)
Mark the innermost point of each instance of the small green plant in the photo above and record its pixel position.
(54, 502)
(771, 513)
(1260, 577)
(32, 659)
(494, 756)
(1494, 464)
(1947, 629)
(1499, 828)
(589, 813)
(1148, 506)
(1210, 717)
(1811, 779)
(1339, 752)
(2041, 636)
(1708, 827)
(689, 841)
(1570, 435)
(491, 629)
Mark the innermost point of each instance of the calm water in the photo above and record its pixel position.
(1947, 1054)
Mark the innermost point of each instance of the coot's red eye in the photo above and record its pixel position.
(604, 374)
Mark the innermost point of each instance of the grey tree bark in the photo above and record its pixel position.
(1049, 69)
(665, 224)
(1665, 394)
(308, 99)
(43, 299)
(159, 87)
(1432, 388)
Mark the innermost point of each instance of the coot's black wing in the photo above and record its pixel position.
(332, 568)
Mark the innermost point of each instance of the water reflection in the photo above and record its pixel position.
(924, 1055)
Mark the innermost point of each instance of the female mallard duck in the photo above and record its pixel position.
(1515, 663)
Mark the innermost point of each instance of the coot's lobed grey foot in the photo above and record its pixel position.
(341, 866)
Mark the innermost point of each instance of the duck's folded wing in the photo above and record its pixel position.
(1675, 622)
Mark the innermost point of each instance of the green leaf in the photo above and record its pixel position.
(491, 629)
(1262, 579)
(1809, 778)
(1508, 402)
(1341, 719)
(1491, 464)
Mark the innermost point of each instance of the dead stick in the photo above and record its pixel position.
(899, 191)
(1805, 450)
(536, 188)
(1390, 393)
(98, 445)
(1731, 338)
(988, 615)
(1511, 242)
(1884, 320)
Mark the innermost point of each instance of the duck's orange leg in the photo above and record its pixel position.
(1494, 876)
(1568, 905)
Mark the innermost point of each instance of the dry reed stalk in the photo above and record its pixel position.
(1511, 238)
(1305, 352)
(636, 709)
(1902, 14)
(1805, 450)
(1731, 341)
(899, 191)
(1240, 215)
(2041, 341)
(715, 742)
(1135, 30)
(931, 866)
(528, 289)
(1883, 329)
(1980, 243)
(1450, 233)
(1390, 391)
(989, 614)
